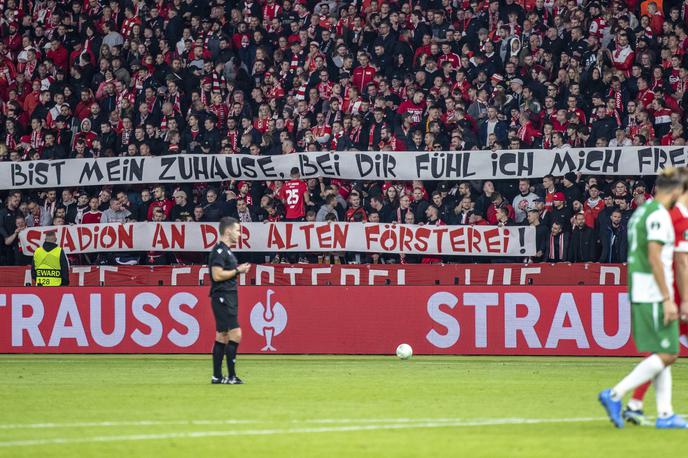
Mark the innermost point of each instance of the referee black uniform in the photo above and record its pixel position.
(225, 303)
(223, 294)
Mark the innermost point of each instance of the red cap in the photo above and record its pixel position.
(558, 196)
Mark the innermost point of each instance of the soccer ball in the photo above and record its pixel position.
(404, 351)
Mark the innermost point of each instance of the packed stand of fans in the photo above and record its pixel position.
(98, 78)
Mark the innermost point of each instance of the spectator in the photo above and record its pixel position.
(593, 206)
(294, 194)
(523, 201)
(541, 234)
(559, 213)
(557, 248)
(329, 207)
(614, 240)
(12, 244)
(160, 201)
(570, 188)
(93, 215)
(497, 203)
(115, 214)
(244, 213)
(583, 244)
(182, 210)
(214, 209)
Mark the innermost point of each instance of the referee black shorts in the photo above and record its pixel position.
(226, 311)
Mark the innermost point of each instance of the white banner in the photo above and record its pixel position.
(459, 165)
(295, 237)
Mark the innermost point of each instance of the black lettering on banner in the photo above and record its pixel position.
(305, 167)
(41, 173)
(89, 170)
(655, 158)
(422, 164)
(201, 168)
(379, 165)
(644, 158)
(19, 178)
(438, 164)
(265, 164)
(661, 158)
(364, 163)
(323, 161)
(185, 169)
(526, 163)
(166, 164)
(513, 164)
(466, 161)
(337, 171)
(113, 170)
(216, 169)
(677, 157)
(562, 163)
(591, 159)
(611, 160)
(390, 163)
(248, 164)
(136, 169)
(505, 160)
(233, 166)
(453, 166)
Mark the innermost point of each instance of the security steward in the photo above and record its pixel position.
(50, 265)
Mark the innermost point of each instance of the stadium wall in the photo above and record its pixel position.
(440, 319)
(591, 274)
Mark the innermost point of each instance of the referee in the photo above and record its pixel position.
(224, 270)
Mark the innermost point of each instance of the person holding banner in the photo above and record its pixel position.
(50, 265)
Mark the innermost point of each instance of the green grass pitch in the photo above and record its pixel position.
(320, 406)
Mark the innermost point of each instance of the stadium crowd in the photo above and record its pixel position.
(98, 78)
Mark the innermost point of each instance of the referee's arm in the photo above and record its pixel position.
(220, 274)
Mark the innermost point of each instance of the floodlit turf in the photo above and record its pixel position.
(79, 406)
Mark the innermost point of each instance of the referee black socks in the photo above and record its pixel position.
(218, 354)
(231, 357)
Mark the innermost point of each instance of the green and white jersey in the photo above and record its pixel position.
(651, 222)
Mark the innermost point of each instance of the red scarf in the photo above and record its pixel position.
(553, 247)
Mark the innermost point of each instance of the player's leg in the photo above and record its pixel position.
(647, 339)
(232, 347)
(666, 418)
(633, 412)
(669, 341)
(219, 349)
(221, 338)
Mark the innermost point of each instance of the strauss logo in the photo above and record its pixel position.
(268, 320)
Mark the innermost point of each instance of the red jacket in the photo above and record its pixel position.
(492, 213)
(591, 213)
(165, 204)
(363, 76)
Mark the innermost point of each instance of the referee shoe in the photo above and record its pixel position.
(219, 381)
(235, 381)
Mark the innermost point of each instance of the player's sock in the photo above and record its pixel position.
(231, 357)
(634, 404)
(218, 354)
(643, 372)
(663, 392)
(636, 401)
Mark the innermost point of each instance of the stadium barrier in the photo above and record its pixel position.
(495, 320)
(591, 274)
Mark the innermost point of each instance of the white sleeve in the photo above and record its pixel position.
(659, 227)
